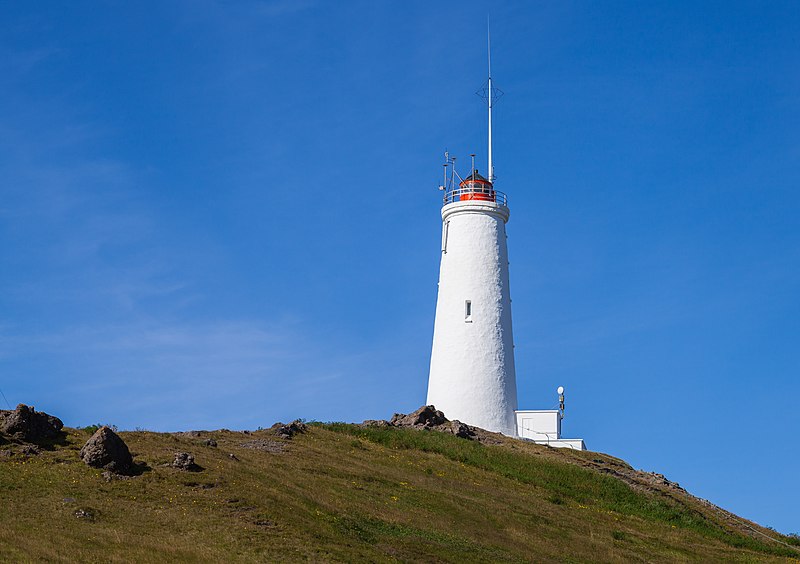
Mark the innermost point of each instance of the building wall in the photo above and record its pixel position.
(539, 425)
(472, 375)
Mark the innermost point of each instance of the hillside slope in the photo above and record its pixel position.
(348, 493)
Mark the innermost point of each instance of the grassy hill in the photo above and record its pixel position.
(346, 493)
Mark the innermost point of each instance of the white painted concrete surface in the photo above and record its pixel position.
(472, 375)
(543, 424)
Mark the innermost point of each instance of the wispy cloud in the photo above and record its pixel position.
(165, 375)
(155, 372)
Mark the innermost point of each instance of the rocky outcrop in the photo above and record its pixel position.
(425, 417)
(105, 449)
(459, 429)
(428, 417)
(26, 424)
(659, 480)
(290, 430)
(376, 423)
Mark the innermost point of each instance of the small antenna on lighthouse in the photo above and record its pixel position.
(490, 95)
(443, 186)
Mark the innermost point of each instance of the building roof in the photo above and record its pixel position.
(477, 177)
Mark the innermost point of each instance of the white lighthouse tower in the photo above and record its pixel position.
(472, 376)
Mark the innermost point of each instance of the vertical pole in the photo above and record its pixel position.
(490, 170)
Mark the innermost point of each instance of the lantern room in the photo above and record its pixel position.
(476, 187)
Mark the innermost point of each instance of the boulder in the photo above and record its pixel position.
(26, 424)
(425, 417)
(185, 461)
(105, 449)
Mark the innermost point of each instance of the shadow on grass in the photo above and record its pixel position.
(49, 444)
(138, 468)
(52, 443)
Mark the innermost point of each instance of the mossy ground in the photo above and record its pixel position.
(346, 493)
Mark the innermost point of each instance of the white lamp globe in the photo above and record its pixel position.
(560, 390)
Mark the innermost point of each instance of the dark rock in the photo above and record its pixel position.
(290, 430)
(375, 423)
(457, 428)
(185, 461)
(210, 442)
(426, 417)
(26, 424)
(105, 449)
(109, 476)
(29, 450)
(85, 513)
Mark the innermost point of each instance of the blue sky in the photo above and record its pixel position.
(224, 214)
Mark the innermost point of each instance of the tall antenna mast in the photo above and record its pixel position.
(490, 169)
(490, 95)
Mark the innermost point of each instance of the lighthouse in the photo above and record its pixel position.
(472, 376)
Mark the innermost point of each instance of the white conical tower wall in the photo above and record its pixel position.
(472, 376)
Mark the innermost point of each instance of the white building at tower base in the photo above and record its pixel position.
(543, 426)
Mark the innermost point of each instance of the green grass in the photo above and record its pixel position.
(343, 493)
(561, 481)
